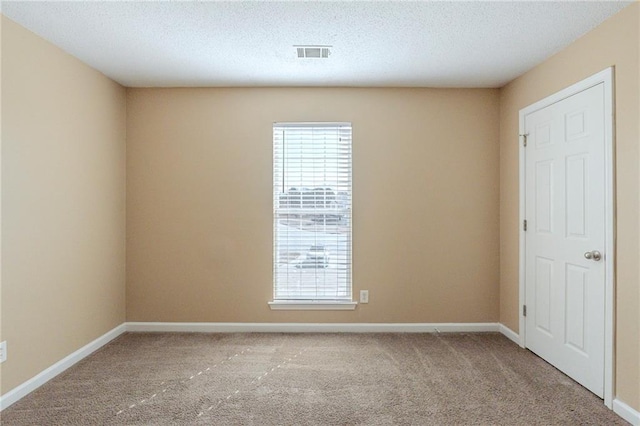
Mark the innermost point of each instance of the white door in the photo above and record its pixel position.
(565, 237)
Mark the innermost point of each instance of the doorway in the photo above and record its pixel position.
(566, 237)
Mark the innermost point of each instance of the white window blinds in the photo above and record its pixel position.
(312, 211)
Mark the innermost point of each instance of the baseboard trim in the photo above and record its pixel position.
(43, 377)
(509, 333)
(626, 412)
(231, 327)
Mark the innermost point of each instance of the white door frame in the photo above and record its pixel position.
(604, 77)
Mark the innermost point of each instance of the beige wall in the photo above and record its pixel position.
(1, 336)
(637, 406)
(199, 209)
(63, 204)
(614, 43)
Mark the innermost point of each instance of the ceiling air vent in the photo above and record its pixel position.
(313, 51)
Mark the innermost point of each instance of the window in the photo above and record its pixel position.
(312, 213)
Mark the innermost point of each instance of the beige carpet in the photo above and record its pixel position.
(311, 379)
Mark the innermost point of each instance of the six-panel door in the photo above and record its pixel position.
(565, 205)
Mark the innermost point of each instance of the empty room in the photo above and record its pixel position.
(320, 213)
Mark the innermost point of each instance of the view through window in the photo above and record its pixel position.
(312, 211)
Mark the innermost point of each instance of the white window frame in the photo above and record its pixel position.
(305, 303)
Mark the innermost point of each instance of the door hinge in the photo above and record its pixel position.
(524, 310)
(524, 225)
(524, 139)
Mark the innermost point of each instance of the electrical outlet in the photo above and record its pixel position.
(3, 351)
(364, 296)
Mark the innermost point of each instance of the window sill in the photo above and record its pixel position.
(312, 305)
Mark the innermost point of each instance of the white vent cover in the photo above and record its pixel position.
(313, 51)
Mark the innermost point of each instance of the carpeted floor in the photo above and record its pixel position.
(311, 379)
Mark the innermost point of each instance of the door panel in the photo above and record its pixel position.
(544, 197)
(564, 207)
(544, 280)
(575, 321)
(577, 173)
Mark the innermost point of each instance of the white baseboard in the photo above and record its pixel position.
(509, 333)
(35, 382)
(626, 412)
(236, 327)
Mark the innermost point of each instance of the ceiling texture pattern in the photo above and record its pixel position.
(251, 43)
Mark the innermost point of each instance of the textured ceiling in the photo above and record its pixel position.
(241, 43)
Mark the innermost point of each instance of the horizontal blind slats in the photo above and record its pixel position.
(312, 211)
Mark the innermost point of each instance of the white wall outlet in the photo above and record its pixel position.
(364, 296)
(3, 351)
